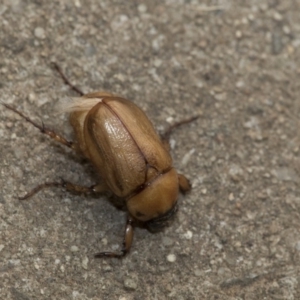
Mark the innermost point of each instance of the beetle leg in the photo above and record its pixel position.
(65, 79)
(166, 135)
(70, 187)
(42, 128)
(126, 243)
(184, 184)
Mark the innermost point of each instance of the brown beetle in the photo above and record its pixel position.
(133, 162)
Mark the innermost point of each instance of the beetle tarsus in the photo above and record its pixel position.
(128, 236)
(65, 79)
(39, 188)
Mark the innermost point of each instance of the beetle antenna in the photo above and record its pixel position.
(65, 79)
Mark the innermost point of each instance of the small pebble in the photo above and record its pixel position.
(251, 17)
(32, 97)
(286, 29)
(171, 258)
(277, 16)
(85, 262)
(235, 172)
(74, 249)
(130, 284)
(157, 62)
(238, 34)
(240, 84)
(142, 8)
(231, 197)
(172, 143)
(77, 3)
(39, 33)
(187, 157)
(188, 235)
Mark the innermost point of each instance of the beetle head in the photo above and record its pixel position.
(157, 224)
(156, 203)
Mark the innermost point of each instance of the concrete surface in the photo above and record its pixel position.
(237, 233)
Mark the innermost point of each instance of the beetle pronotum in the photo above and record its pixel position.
(133, 162)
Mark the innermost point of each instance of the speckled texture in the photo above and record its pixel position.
(237, 234)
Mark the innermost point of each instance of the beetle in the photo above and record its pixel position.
(133, 161)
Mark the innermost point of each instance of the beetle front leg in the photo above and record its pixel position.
(42, 128)
(70, 187)
(126, 243)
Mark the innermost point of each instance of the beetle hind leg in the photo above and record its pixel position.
(68, 186)
(128, 237)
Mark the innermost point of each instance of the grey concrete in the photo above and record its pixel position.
(237, 234)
